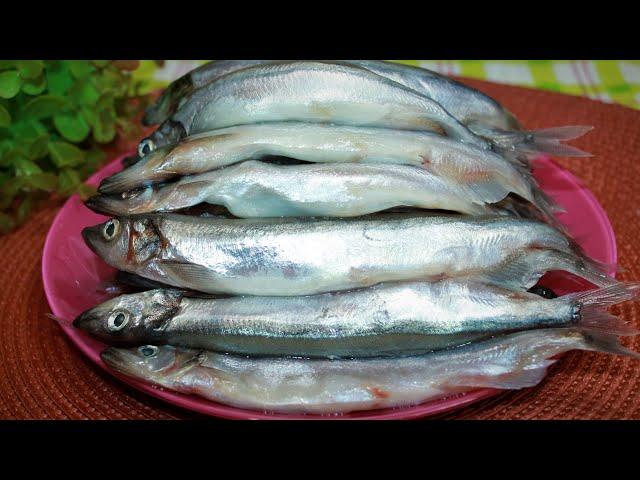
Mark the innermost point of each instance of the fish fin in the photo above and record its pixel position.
(603, 298)
(577, 264)
(561, 134)
(546, 140)
(509, 380)
(189, 275)
(524, 269)
(543, 208)
(517, 272)
(593, 304)
(607, 323)
(597, 341)
(486, 191)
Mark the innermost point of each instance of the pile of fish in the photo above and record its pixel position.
(332, 236)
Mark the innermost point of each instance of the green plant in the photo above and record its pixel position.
(55, 118)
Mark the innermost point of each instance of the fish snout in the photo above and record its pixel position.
(119, 359)
(91, 236)
(102, 204)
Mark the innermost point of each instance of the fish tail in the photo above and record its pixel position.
(533, 352)
(600, 341)
(547, 141)
(591, 308)
(524, 269)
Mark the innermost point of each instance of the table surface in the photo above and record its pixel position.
(610, 81)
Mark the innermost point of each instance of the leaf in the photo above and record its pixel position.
(95, 157)
(85, 191)
(10, 157)
(9, 84)
(72, 126)
(89, 114)
(42, 181)
(24, 166)
(39, 147)
(44, 106)
(35, 86)
(30, 69)
(27, 130)
(81, 68)
(68, 181)
(65, 154)
(100, 63)
(104, 129)
(59, 79)
(5, 118)
(83, 92)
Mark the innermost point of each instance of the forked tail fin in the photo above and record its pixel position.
(591, 308)
(546, 140)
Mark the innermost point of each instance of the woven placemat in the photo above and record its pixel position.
(43, 376)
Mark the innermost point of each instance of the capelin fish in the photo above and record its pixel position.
(295, 385)
(175, 93)
(257, 189)
(396, 319)
(482, 114)
(308, 92)
(319, 143)
(302, 256)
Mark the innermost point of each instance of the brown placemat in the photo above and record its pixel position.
(43, 376)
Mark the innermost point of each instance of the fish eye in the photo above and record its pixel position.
(111, 229)
(146, 147)
(148, 351)
(118, 320)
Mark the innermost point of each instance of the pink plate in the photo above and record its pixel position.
(72, 274)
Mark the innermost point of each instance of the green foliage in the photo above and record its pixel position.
(55, 118)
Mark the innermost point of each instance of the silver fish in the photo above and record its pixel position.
(174, 95)
(308, 92)
(384, 320)
(257, 189)
(301, 256)
(481, 113)
(319, 386)
(465, 103)
(320, 143)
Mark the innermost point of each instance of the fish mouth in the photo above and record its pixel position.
(102, 204)
(119, 360)
(82, 320)
(90, 235)
(115, 205)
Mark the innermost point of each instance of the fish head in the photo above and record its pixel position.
(159, 364)
(131, 202)
(136, 318)
(170, 132)
(125, 242)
